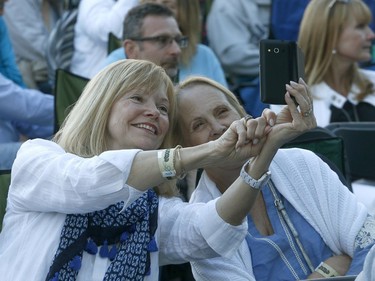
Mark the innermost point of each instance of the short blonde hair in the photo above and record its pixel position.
(193, 81)
(320, 30)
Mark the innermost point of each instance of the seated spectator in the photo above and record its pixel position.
(98, 201)
(29, 23)
(298, 226)
(234, 29)
(8, 64)
(96, 19)
(24, 113)
(335, 36)
(146, 25)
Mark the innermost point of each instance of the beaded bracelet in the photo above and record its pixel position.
(178, 156)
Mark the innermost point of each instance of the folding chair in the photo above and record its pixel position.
(4, 187)
(68, 88)
(359, 142)
(328, 147)
(113, 43)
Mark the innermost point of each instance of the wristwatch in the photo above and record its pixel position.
(256, 184)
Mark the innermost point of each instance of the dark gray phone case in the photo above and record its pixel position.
(281, 61)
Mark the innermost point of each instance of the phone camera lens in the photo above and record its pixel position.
(276, 50)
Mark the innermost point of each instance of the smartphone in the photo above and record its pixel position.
(281, 61)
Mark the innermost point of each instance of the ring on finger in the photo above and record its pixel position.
(247, 117)
(307, 113)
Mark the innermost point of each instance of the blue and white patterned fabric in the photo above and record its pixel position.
(129, 232)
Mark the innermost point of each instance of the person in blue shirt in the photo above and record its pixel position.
(24, 113)
(8, 65)
(304, 224)
(152, 33)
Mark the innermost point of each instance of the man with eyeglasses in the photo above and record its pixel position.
(151, 32)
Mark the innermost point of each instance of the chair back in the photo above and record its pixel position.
(359, 143)
(4, 187)
(328, 147)
(68, 89)
(113, 43)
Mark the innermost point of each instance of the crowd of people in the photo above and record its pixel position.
(169, 157)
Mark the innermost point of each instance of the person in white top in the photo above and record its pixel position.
(96, 19)
(29, 23)
(95, 204)
(298, 226)
(335, 37)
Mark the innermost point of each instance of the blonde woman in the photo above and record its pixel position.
(335, 36)
(298, 227)
(97, 202)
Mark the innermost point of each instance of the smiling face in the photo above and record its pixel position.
(139, 119)
(354, 43)
(205, 114)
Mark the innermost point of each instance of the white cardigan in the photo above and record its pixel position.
(313, 190)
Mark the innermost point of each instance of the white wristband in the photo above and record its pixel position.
(166, 163)
(326, 270)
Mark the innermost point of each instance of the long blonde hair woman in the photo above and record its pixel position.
(335, 36)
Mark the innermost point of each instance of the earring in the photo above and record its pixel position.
(334, 52)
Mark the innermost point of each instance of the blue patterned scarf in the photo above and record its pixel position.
(131, 234)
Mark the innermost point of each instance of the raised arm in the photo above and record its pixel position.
(237, 201)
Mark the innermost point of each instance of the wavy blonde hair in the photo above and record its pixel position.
(84, 132)
(319, 33)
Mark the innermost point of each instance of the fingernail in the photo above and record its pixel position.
(272, 122)
(293, 83)
(255, 141)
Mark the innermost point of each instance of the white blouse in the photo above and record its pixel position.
(47, 183)
(324, 97)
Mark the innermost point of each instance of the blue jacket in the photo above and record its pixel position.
(8, 65)
(24, 111)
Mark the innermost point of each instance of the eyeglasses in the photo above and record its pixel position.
(164, 40)
(333, 2)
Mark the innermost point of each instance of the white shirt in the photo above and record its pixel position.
(324, 97)
(47, 183)
(96, 19)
